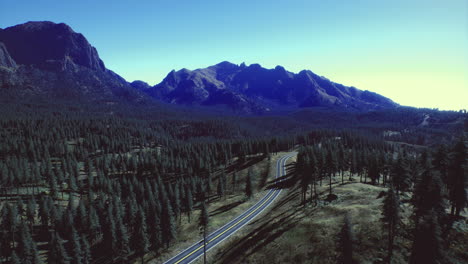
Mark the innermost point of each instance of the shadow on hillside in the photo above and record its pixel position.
(226, 208)
(272, 228)
(237, 166)
(286, 181)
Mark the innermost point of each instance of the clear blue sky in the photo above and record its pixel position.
(413, 51)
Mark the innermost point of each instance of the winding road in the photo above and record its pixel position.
(195, 251)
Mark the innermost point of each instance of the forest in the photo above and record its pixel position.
(94, 187)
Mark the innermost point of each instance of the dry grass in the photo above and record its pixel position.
(293, 233)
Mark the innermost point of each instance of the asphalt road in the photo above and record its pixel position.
(195, 251)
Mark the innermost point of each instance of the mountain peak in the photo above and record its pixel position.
(52, 61)
(47, 44)
(42, 25)
(226, 64)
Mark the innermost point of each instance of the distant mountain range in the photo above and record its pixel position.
(51, 61)
(256, 89)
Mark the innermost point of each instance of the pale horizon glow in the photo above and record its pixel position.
(413, 51)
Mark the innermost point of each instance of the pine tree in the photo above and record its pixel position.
(248, 184)
(27, 250)
(76, 250)
(312, 172)
(15, 259)
(220, 188)
(457, 178)
(167, 223)
(234, 181)
(44, 213)
(391, 218)
(330, 164)
(440, 163)
(427, 195)
(154, 224)
(81, 216)
(427, 244)
(373, 171)
(31, 212)
(86, 248)
(140, 241)
(109, 230)
(188, 202)
(94, 226)
(11, 222)
(400, 175)
(122, 248)
(57, 253)
(203, 223)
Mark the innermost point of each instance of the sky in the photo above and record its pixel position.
(412, 51)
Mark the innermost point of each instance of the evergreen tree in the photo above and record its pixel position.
(86, 255)
(57, 253)
(76, 250)
(15, 259)
(330, 164)
(400, 175)
(44, 213)
(220, 188)
(391, 218)
(203, 222)
(428, 196)
(440, 163)
(140, 240)
(122, 249)
(154, 225)
(188, 202)
(31, 212)
(427, 244)
(457, 178)
(167, 223)
(234, 181)
(27, 250)
(248, 184)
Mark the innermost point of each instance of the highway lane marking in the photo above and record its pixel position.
(269, 196)
(277, 193)
(233, 225)
(283, 159)
(226, 225)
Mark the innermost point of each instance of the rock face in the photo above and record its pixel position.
(256, 89)
(49, 60)
(44, 43)
(5, 58)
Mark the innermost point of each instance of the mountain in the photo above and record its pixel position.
(51, 61)
(254, 89)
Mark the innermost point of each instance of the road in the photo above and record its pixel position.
(195, 251)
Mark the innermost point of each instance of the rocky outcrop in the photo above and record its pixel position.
(5, 58)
